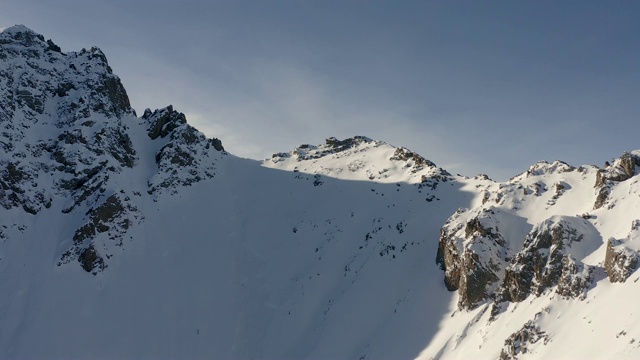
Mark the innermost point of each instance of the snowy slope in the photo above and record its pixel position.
(553, 321)
(138, 237)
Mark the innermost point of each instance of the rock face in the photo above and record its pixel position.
(620, 170)
(414, 160)
(575, 278)
(72, 94)
(546, 261)
(66, 128)
(506, 267)
(112, 219)
(485, 256)
(187, 156)
(621, 258)
(620, 262)
(473, 252)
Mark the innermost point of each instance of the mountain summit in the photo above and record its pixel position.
(139, 237)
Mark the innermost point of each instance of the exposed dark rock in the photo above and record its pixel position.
(449, 261)
(72, 137)
(90, 260)
(317, 180)
(432, 180)
(341, 145)
(121, 148)
(217, 144)
(560, 188)
(180, 157)
(111, 220)
(418, 162)
(118, 100)
(476, 278)
(88, 110)
(575, 278)
(187, 156)
(53, 47)
(34, 101)
(163, 121)
(602, 197)
(18, 188)
(101, 219)
(473, 255)
(544, 167)
(280, 155)
(522, 340)
(482, 177)
(628, 163)
(545, 261)
(622, 169)
(621, 260)
(68, 156)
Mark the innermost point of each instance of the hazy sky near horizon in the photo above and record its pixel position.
(475, 86)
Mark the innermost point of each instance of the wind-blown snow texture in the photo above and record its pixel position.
(138, 237)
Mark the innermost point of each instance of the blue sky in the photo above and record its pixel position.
(475, 86)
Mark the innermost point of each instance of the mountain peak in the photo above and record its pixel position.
(357, 158)
(17, 29)
(206, 242)
(22, 36)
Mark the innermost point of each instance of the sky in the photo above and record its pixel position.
(475, 86)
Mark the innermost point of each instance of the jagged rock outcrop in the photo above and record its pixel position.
(187, 157)
(545, 167)
(79, 83)
(486, 256)
(414, 160)
(473, 250)
(621, 258)
(342, 145)
(559, 189)
(534, 183)
(575, 278)
(13, 192)
(620, 170)
(522, 341)
(110, 220)
(65, 136)
(546, 260)
(163, 121)
(75, 99)
(332, 146)
(620, 262)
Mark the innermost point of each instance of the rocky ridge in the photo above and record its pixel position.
(621, 169)
(186, 156)
(365, 159)
(71, 143)
(474, 244)
(66, 132)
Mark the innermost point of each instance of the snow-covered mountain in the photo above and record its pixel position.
(139, 237)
